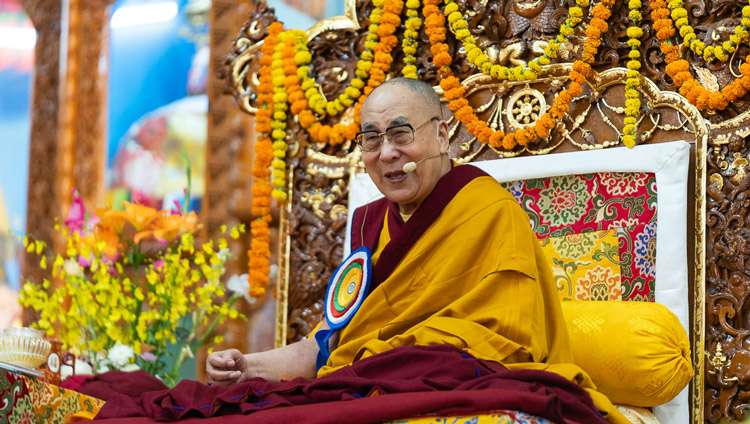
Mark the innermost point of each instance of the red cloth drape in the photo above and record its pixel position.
(404, 382)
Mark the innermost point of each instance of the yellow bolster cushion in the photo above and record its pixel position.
(637, 353)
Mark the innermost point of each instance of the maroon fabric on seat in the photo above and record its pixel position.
(104, 385)
(404, 382)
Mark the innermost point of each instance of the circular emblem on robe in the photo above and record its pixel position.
(347, 288)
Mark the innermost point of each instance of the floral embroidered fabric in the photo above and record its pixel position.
(27, 400)
(598, 231)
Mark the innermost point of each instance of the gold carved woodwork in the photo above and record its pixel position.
(311, 236)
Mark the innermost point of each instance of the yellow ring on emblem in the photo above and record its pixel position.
(347, 293)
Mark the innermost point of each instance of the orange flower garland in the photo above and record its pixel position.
(260, 247)
(454, 91)
(679, 69)
(381, 64)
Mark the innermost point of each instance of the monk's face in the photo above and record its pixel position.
(393, 105)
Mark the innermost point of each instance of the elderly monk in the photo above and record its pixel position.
(454, 260)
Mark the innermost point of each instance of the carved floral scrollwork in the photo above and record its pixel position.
(316, 229)
(728, 277)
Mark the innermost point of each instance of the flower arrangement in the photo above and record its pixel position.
(132, 290)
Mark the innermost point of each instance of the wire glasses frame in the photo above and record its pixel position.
(398, 135)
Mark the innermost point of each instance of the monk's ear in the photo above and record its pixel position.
(442, 136)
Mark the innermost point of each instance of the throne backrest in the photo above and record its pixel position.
(613, 223)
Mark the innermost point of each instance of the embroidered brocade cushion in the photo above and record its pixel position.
(637, 353)
(598, 232)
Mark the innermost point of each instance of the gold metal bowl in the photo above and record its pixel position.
(24, 347)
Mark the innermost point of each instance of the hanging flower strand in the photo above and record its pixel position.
(633, 82)
(454, 90)
(373, 66)
(260, 246)
(476, 56)
(278, 125)
(409, 43)
(723, 51)
(679, 69)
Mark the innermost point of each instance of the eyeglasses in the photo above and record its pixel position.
(398, 135)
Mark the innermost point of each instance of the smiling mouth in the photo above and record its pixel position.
(395, 176)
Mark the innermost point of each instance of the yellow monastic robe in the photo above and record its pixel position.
(476, 279)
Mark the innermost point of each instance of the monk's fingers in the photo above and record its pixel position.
(224, 360)
(223, 378)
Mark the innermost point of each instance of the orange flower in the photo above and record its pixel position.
(139, 216)
(107, 234)
(166, 228)
(509, 141)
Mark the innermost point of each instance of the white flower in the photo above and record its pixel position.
(239, 284)
(224, 254)
(72, 268)
(130, 367)
(120, 355)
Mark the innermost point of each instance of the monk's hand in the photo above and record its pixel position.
(226, 367)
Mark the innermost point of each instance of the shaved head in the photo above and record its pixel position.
(422, 90)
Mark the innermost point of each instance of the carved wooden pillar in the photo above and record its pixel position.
(67, 115)
(42, 198)
(81, 164)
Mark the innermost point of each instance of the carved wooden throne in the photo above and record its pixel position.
(313, 220)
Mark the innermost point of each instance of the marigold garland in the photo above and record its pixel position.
(409, 43)
(454, 90)
(286, 84)
(679, 17)
(633, 82)
(476, 56)
(260, 247)
(281, 82)
(679, 69)
(373, 66)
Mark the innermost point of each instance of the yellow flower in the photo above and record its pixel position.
(634, 32)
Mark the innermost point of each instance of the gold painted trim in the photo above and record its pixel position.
(348, 20)
(699, 289)
(282, 281)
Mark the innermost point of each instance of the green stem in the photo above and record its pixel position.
(210, 329)
(189, 181)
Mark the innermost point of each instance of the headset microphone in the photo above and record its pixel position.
(412, 166)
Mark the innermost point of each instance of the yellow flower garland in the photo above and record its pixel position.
(722, 52)
(476, 56)
(409, 43)
(633, 82)
(454, 90)
(313, 92)
(278, 124)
